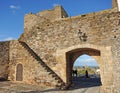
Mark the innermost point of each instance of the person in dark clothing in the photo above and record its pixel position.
(74, 72)
(86, 74)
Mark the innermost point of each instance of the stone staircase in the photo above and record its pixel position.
(60, 84)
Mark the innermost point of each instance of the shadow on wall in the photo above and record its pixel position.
(4, 78)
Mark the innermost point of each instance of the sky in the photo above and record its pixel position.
(85, 60)
(12, 12)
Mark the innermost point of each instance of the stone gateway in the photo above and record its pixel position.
(45, 53)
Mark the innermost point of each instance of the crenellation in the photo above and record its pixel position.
(30, 20)
(115, 4)
(57, 13)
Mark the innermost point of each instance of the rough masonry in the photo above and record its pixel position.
(45, 53)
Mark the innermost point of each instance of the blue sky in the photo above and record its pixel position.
(12, 12)
(12, 15)
(85, 60)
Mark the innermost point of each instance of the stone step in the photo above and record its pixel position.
(45, 70)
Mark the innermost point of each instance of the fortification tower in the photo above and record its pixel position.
(115, 5)
(56, 13)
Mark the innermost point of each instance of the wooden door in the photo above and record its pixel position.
(19, 72)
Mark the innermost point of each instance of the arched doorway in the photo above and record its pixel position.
(72, 55)
(102, 54)
(19, 72)
(87, 72)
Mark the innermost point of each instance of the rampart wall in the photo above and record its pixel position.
(33, 72)
(47, 35)
(102, 29)
(4, 60)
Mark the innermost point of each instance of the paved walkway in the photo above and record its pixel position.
(81, 85)
(16, 87)
(82, 90)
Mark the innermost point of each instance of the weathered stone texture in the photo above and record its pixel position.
(4, 60)
(31, 20)
(101, 28)
(33, 72)
(116, 55)
(54, 39)
(56, 13)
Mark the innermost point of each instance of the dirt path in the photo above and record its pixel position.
(15, 87)
(81, 85)
(82, 90)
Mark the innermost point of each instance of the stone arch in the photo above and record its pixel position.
(19, 72)
(80, 51)
(102, 54)
(72, 55)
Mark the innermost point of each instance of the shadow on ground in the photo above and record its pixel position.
(78, 83)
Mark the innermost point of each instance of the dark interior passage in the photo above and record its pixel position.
(86, 72)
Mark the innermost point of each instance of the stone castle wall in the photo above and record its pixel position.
(56, 13)
(4, 60)
(51, 37)
(116, 65)
(32, 20)
(101, 28)
(33, 72)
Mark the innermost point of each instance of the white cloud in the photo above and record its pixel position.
(86, 60)
(90, 60)
(8, 38)
(56, 5)
(14, 7)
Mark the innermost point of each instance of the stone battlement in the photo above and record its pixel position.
(58, 13)
(31, 19)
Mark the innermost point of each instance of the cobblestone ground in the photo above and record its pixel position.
(81, 85)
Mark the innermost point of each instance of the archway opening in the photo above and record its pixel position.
(86, 72)
(72, 55)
